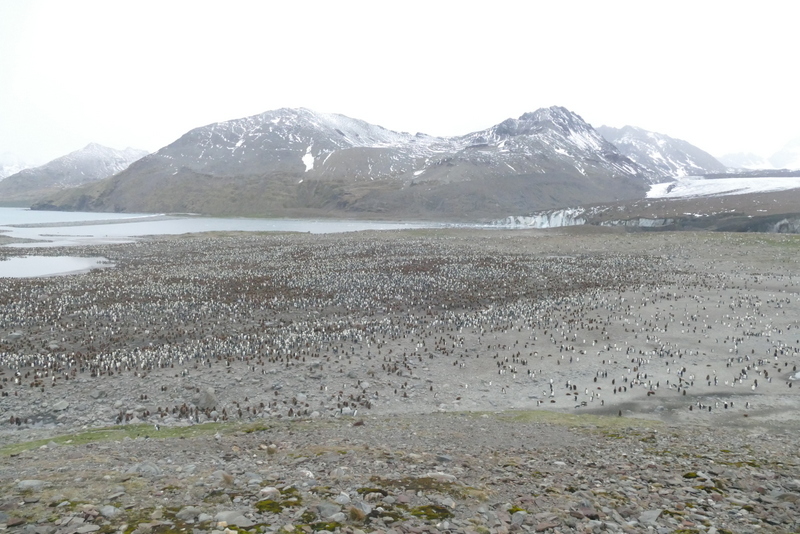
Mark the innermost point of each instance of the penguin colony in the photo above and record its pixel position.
(244, 326)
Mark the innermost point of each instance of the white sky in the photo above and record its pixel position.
(718, 74)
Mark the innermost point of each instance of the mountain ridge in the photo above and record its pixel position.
(661, 155)
(294, 161)
(86, 165)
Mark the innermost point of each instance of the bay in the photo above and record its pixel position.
(39, 229)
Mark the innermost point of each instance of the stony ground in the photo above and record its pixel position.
(408, 382)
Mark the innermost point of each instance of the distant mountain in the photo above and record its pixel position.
(661, 156)
(92, 163)
(788, 157)
(296, 162)
(745, 161)
(10, 164)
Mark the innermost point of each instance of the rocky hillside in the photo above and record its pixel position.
(92, 163)
(661, 156)
(299, 162)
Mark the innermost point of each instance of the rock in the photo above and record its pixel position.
(147, 469)
(441, 477)
(338, 517)
(30, 485)
(342, 499)
(269, 492)
(97, 394)
(547, 525)
(234, 517)
(109, 512)
(363, 506)
(517, 518)
(649, 517)
(188, 513)
(325, 509)
(85, 529)
(206, 399)
(60, 406)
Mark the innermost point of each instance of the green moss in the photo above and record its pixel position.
(325, 525)
(269, 506)
(431, 512)
(308, 516)
(390, 512)
(118, 433)
(690, 474)
(290, 498)
(425, 484)
(709, 489)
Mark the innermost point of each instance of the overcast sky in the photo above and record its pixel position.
(720, 75)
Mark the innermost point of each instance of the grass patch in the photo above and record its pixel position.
(118, 433)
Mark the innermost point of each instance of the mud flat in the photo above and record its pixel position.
(427, 380)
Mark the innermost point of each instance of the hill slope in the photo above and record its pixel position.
(92, 163)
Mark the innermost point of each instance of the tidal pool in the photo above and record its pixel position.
(38, 266)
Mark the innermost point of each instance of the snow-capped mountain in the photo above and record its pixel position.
(296, 161)
(788, 157)
(89, 164)
(660, 155)
(10, 164)
(745, 161)
(300, 162)
(299, 141)
(324, 145)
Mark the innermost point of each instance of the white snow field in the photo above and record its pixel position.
(697, 186)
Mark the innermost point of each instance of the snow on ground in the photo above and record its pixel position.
(695, 186)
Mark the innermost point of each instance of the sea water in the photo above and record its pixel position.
(64, 229)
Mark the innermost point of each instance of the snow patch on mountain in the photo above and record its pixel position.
(308, 159)
(662, 156)
(697, 186)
